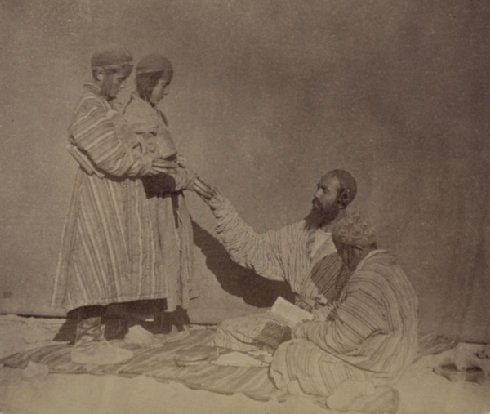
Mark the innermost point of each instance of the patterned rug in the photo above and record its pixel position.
(159, 363)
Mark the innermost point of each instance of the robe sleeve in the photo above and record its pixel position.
(259, 252)
(178, 180)
(112, 148)
(147, 128)
(184, 178)
(360, 316)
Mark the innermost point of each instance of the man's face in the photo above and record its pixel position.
(324, 203)
(112, 84)
(351, 256)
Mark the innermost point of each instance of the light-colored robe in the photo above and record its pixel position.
(371, 336)
(173, 228)
(110, 249)
(282, 255)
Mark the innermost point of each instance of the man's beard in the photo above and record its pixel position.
(321, 216)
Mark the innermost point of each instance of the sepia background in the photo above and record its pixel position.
(267, 96)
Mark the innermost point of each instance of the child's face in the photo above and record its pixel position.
(159, 91)
(113, 83)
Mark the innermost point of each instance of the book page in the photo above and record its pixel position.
(291, 313)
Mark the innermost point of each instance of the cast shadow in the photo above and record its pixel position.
(149, 314)
(235, 279)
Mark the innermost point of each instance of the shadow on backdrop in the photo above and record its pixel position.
(235, 279)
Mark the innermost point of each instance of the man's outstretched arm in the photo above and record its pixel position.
(259, 252)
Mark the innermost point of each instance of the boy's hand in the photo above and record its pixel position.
(205, 191)
(181, 160)
(161, 166)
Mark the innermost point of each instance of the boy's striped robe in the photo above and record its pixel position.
(111, 249)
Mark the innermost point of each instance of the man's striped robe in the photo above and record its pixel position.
(282, 255)
(371, 336)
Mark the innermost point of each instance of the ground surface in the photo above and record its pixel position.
(421, 390)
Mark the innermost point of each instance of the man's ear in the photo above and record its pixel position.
(359, 251)
(98, 75)
(342, 198)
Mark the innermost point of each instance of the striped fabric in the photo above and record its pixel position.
(159, 364)
(278, 255)
(310, 242)
(372, 337)
(149, 122)
(174, 230)
(111, 247)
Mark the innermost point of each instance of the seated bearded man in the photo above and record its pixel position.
(302, 254)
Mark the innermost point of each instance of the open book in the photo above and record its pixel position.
(291, 314)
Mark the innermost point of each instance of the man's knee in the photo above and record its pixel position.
(295, 345)
(225, 334)
(225, 327)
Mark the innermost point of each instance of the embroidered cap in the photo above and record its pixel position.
(112, 57)
(353, 230)
(153, 63)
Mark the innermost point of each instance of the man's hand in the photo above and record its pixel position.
(304, 303)
(320, 301)
(322, 313)
(296, 332)
(161, 166)
(299, 330)
(208, 194)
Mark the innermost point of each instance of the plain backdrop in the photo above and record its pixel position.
(266, 97)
